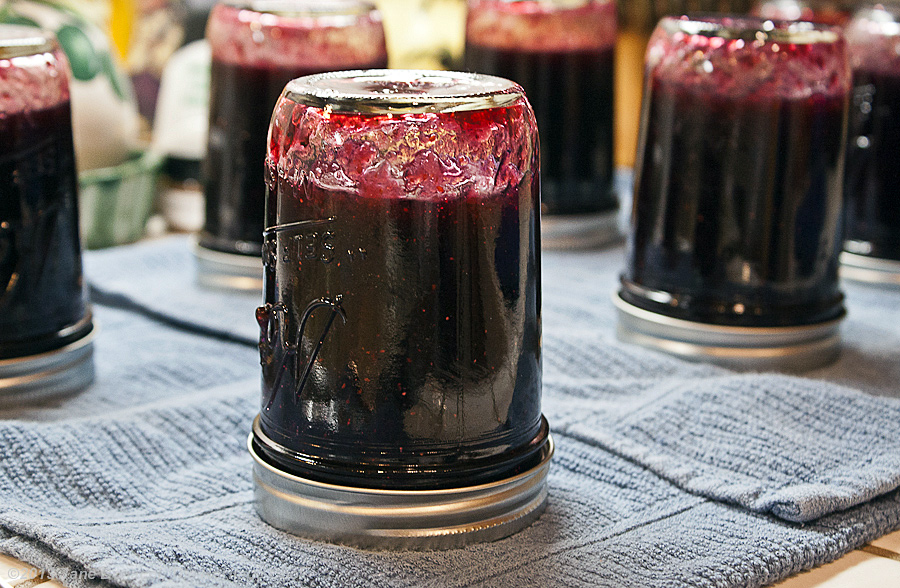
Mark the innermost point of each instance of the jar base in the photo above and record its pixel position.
(873, 270)
(48, 375)
(399, 519)
(792, 349)
(228, 271)
(580, 231)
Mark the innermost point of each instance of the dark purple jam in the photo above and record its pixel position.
(872, 177)
(241, 101)
(572, 96)
(401, 336)
(737, 206)
(42, 297)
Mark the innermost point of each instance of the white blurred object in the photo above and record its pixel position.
(182, 207)
(179, 133)
(182, 112)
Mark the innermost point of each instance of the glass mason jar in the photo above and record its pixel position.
(401, 232)
(45, 322)
(400, 337)
(562, 54)
(872, 178)
(737, 205)
(258, 46)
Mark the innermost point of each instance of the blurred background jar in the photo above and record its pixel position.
(103, 104)
(733, 253)
(872, 178)
(562, 53)
(45, 320)
(117, 175)
(257, 47)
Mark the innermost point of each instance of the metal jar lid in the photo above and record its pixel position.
(47, 375)
(399, 519)
(580, 231)
(750, 348)
(228, 271)
(862, 268)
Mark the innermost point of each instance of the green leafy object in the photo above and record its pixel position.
(17, 19)
(115, 79)
(84, 59)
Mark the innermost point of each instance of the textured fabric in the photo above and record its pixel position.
(667, 473)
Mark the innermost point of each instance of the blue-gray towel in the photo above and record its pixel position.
(667, 473)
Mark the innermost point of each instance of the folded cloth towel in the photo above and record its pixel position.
(666, 473)
(787, 446)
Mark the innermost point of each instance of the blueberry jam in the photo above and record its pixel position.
(737, 205)
(257, 49)
(401, 333)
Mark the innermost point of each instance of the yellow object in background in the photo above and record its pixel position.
(120, 25)
(629, 80)
(424, 34)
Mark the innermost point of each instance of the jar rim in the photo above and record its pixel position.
(397, 91)
(751, 28)
(20, 40)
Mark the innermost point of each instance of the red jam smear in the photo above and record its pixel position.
(755, 66)
(410, 155)
(33, 82)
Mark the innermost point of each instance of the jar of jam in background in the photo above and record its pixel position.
(45, 322)
(258, 46)
(562, 54)
(872, 178)
(829, 12)
(733, 252)
(400, 337)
